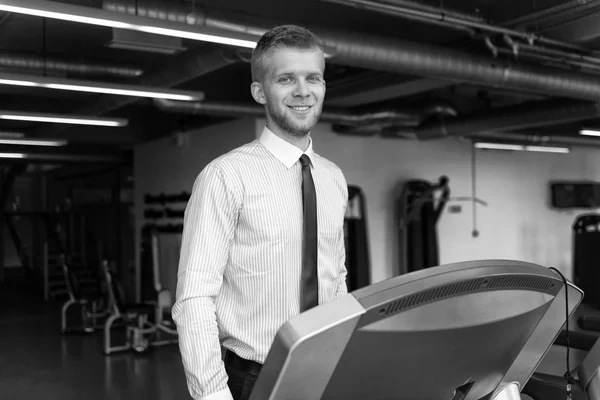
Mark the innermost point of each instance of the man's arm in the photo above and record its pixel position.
(209, 225)
(342, 287)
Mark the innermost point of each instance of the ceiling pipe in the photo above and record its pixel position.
(183, 68)
(559, 11)
(528, 46)
(230, 109)
(438, 15)
(180, 13)
(364, 50)
(431, 9)
(23, 61)
(519, 116)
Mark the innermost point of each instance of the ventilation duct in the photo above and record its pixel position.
(340, 116)
(181, 13)
(183, 68)
(364, 50)
(147, 42)
(520, 116)
(57, 64)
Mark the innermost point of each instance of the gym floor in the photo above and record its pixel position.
(37, 362)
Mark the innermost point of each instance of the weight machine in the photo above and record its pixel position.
(94, 306)
(147, 324)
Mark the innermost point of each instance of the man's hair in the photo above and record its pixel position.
(284, 36)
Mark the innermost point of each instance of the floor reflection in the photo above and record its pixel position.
(37, 362)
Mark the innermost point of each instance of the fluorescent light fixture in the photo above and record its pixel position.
(13, 155)
(589, 132)
(97, 87)
(94, 16)
(61, 118)
(34, 142)
(519, 147)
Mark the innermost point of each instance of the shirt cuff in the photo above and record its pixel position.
(224, 394)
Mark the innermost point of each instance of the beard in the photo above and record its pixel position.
(288, 124)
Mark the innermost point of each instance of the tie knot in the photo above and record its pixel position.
(304, 160)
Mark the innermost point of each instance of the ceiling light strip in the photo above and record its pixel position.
(13, 155)
(34, 142)
(94, 16)
(589, 132)
(61, 118)
(97, 87)
(519, 147)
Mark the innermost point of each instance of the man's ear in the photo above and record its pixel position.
(257, 92)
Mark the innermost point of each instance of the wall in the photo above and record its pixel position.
(516, 224)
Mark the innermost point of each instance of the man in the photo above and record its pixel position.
(251, 239)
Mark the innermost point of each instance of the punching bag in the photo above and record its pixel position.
(419, 210)
(586, 257)
(358, 263)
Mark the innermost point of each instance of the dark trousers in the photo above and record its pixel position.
(242, 375)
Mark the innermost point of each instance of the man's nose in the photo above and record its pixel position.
(301, 89)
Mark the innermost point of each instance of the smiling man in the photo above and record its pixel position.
(263, 236)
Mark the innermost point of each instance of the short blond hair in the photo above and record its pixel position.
(284, 36)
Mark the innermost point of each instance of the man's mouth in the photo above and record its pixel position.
(299, 108)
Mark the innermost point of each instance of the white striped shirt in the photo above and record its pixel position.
(240, 262)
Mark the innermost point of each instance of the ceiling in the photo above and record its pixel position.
(422, 86)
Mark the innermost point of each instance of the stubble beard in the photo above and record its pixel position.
(288, 125)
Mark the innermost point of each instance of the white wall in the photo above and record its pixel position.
(517, 223)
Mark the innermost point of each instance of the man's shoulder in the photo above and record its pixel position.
(330, 166)
(235, 159)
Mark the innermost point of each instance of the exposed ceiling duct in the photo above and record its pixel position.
(40, 63)
(341, 116)
(364, 50)
(560, 11)
(402, 124)
(182, 68)
(520, 116)
(180, 13)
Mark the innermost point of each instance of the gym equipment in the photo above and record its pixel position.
(94, 306)
(585, 378)
(418, 213)
(586, 252)
(356, 239)
(146, 325)
(462, 331)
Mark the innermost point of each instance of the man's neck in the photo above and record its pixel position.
(300, 142)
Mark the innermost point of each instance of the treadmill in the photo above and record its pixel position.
(462, 331)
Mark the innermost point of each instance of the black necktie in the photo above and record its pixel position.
(309, 289)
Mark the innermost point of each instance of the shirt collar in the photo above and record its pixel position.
(284, 151)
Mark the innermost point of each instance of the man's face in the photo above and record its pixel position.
(293, 90)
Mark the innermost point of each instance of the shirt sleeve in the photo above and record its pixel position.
(342, 287)
(209, 225)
